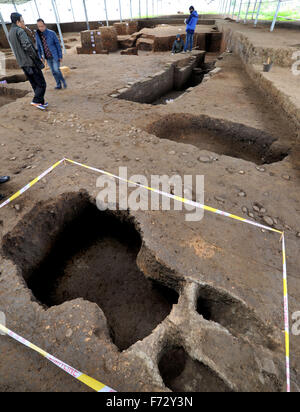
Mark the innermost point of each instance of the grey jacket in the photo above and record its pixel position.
(23, 47)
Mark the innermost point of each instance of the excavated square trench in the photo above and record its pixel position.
(9, 95)
(181, 373)
(69, 249)
(221, 137)
(170, 83)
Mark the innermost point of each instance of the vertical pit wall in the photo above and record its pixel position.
(173, 77)
(253, 58)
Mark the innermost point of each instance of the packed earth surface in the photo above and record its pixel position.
(151, 300)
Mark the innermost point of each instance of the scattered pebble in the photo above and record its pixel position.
(286, 177)
(268, 220)
(69, 333)
(242, 194)
(205, 159)
(220, 199)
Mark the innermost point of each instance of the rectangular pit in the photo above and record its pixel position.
(173, 78)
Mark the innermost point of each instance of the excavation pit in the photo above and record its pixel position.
(181, 373)
(241, 321)
(221, 137)
(9, 95)
(68, 249)
(171, 82)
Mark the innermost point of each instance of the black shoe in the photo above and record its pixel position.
(4, 179)
(58, 88)
(1, 197)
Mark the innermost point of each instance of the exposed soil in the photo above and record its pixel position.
(224, 139)
(92, 256)
(5, 100)
(63, 260)
(183, 374)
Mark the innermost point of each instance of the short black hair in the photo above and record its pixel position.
(192, 8)
(15, 17)
(41, 21)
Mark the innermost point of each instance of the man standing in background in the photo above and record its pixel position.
(191, 24)
(49, 49)
(28, 59)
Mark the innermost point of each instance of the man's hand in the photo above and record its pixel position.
(60, 60)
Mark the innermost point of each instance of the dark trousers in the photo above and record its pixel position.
(38, 83)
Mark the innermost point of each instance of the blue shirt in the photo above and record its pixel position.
(53, 44)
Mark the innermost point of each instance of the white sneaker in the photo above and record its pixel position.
(38, 106)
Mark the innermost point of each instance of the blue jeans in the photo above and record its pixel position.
(55, 68)
(189, 42)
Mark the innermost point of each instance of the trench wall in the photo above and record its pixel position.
(174, 76)
(253, 58)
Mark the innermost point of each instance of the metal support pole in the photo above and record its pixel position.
(147, 12)
(254, 9)
(37, 9)
(229, 7)
(131, 17)
(58, 26)
(140, 10)
(106, 14)
(258, 11)
(120, 9)
(226, 6)
(276, 15)
(240, 10)
(71, 5)
(153, 12)
(234, 8)
(223, 7)
(5, 29)
(86, 15)
(16, 10)
(246, 17)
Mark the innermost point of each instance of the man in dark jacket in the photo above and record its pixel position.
(28, 59)
(3, 179)
(49, 48)
(178, 45)
(191, 24)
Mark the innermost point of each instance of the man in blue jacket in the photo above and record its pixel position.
(49, 49)
(191, 24)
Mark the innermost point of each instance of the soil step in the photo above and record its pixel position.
(145, 44)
